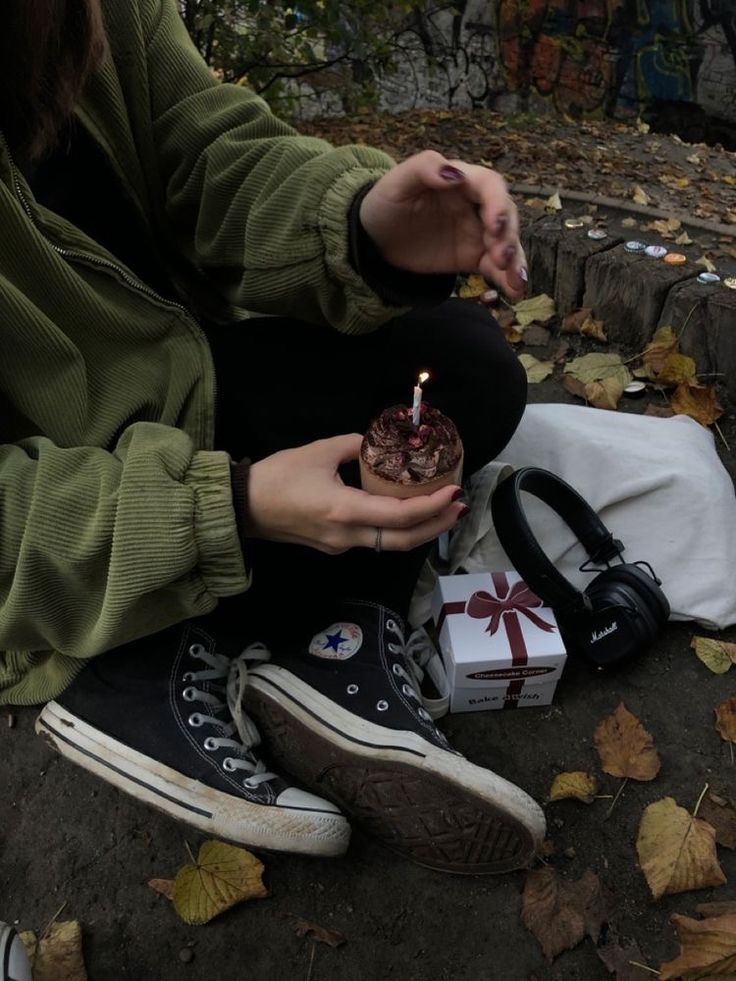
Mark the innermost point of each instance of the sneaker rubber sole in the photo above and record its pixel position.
(261, 826)
(430, 805)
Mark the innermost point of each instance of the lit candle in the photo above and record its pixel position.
(417, 404)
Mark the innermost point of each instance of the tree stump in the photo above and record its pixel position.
(705, 318)
(627, 291)
(573, 252)
(540, 240)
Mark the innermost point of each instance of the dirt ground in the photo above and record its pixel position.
(67, 838)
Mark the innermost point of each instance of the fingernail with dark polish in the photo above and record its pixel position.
(465, 511)
(500, 225)
(510, 251)
(457, 495)
(452, 173)
(523, 274)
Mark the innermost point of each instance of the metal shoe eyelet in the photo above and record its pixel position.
(189, 694)
(382, 705)
(352, 689)
(188, 676)
(250, 783)
(407, 690)
(195, 719)
(196, 650)
(397, 670)
(391, 624)
(393, 648)
(210, 745)
(423, 714)
(228, 765)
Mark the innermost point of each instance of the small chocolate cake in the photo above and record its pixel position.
(403, 460)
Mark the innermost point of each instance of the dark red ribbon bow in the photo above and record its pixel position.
(519, 599)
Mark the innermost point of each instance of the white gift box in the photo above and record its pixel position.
(501, 646)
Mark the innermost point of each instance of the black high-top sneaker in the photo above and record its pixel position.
(153, 718)
(14, 963)
(343, 714)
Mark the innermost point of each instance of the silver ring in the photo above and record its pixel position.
(379, 535)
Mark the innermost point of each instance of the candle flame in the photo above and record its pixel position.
(423, 377)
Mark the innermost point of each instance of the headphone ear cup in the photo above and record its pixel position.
(644, 590)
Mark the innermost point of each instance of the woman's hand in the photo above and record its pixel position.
(433, 215)
(298, 496)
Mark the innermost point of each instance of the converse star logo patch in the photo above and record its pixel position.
(338, 643)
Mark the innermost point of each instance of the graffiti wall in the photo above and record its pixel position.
(579, 57)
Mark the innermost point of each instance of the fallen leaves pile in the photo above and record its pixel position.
(676, 850)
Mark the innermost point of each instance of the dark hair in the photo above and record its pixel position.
(47, 50)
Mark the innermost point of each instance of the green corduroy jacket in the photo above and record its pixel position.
(116, 516)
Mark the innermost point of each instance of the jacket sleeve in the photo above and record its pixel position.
(257, 208)
(100, 548)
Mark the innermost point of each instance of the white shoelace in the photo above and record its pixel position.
(235, 671)
(422, 658)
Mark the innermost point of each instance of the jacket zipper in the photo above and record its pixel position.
(73, 254)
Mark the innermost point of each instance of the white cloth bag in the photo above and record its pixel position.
(657, 484)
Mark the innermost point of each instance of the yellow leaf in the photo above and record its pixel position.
(683, 239)
(659, 349)
(223, 876)
(705, 261)
(537, 309)
(697, 401)
(676, 369)
(59, 954)
(473, 287)
(625, 747)
(576, 784)
(30, 942)
(595, 367)
(726, 720)
(640, 195)
(707, 947)
(717, 655)
(728, 179)
(553, 202)
(677, 852)
(641, 126)
(629, 223)
(512, 334)
(694, 159)
(536, 371)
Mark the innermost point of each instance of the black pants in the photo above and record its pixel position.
(282, 383)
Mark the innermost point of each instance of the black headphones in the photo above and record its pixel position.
(622, 610)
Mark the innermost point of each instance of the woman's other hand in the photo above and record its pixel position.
(433, 215)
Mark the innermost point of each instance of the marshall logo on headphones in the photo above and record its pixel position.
(511, 674)
(600, 634)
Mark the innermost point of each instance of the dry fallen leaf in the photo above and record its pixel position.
(683, 239)
(629, 223)
(697, 401)
(677, 852)
(604, 394)
(726, 720)
(622, 957)
(676, 369)
(560, 913)
(625, 747)
(473, 287)
(662, 345)
(553, 202)
(717, 655)
(666, 227)
(537, 309)
(595, 367)
(693, 159)
(707, 949)
(30, 941)
(223, 876)
(582, 322)
(322, 935)
(536, 371)
(716, 909)
(59, 954)
(705, 261)
(720, 812)
(576, 784)
(164, 887)
(640, 195)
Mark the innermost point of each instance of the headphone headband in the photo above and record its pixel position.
(521, 546)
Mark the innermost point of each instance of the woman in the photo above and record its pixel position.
(178, 479)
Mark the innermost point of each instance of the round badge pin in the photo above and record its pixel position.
(708, 278)
(574, 222)
(730, 282)
(655, 251)
(635, 389)
(675, 258)
(635, 246)
(598, 234)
